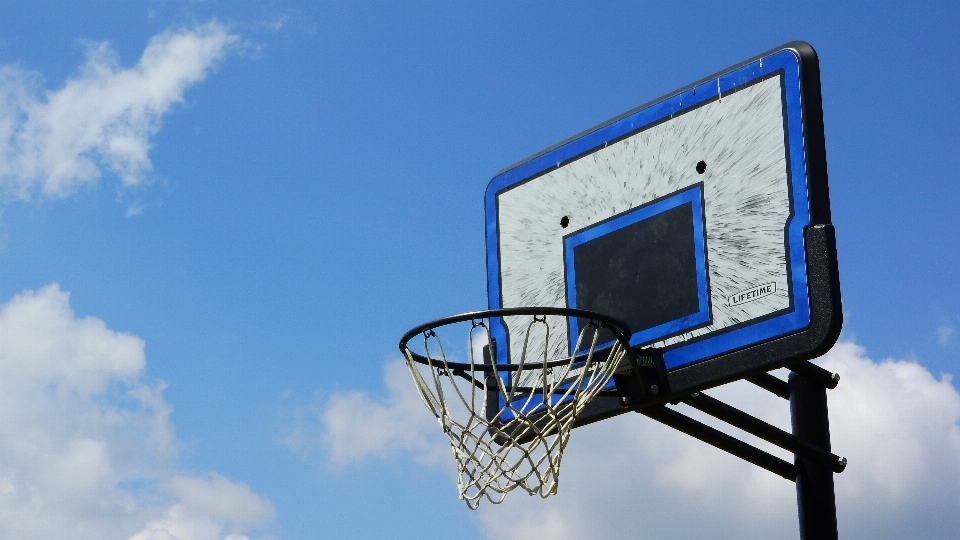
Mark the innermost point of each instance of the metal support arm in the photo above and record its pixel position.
(721, 440)
(765, 431)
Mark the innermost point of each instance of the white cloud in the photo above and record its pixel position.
(208, 507)
(353, 426)
(87, 447)
(945, 332)
(630, 477)
(102, 119)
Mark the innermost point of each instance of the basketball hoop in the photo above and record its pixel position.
(509, 409)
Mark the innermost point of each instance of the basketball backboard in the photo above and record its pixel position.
(700, 219)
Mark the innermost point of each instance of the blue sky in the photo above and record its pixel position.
(246, 218)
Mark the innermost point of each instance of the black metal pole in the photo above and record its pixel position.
(816, 499)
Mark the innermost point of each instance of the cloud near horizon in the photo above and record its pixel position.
(102, 119)
(87, 448)
(631, 477)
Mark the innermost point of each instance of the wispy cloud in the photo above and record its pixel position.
(630, 477)
(351, 427)
(102, 120)
(945, 332)
(87, 448)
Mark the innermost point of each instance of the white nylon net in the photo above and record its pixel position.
(507, 436)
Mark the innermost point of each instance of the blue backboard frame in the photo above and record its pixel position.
(812, 323)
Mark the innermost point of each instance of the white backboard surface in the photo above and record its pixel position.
(716, 170)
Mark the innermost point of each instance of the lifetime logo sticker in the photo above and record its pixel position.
(750, 295)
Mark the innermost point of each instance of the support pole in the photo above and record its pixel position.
(772, 384)
(816, 500)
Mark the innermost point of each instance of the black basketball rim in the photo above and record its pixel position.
(619, 329)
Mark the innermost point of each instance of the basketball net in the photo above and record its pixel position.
(504, 436)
